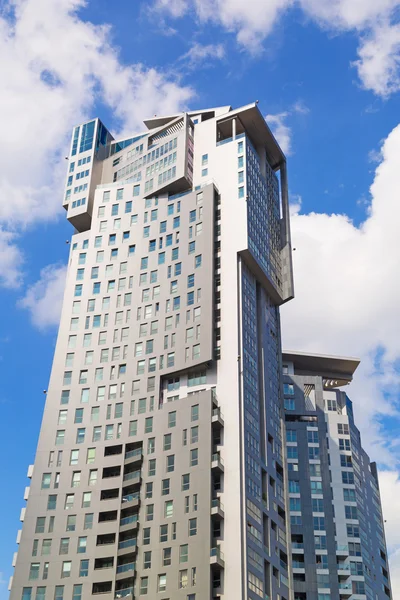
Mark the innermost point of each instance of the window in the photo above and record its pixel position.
(149, 490)
(183, 579)
(46, 547)
(149, 512)
(194, 435)
(170, 463)
(167, 441)
(91, 455)
(165, 487)
(66, 569)
(183, 553)
(194, 457)
(169, 509)
(46, 480)
(167, 554)
(185, 482)
(144, 585)
(195, 412)
(71, 524)
(80, 435)
(152, 467)
(81, 548)
(295, 504)
(84, 568)
(162, 583)
(86, 499)
(289, 404)
(34, 571)
(147, 559)
(319, 523)
(40, 524)
(350, 512)
(163, 533)
(59, 592)
(52, 502)
(77, 592)
(148, 425)
(172, 419)
(146, 536)
(69, 501)
(192, 527)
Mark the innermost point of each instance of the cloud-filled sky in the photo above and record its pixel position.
(327, 77)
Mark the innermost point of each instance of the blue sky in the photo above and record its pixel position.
(326, 77)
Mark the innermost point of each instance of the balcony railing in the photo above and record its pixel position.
(124, 593)
(217, 552)
(342, 548)
(133, 475)
(345, 586)
(130, 497)
(126, 567)
(216, 503)
(134, 453)
(127, 543)
(299, 545)
(217, 457)
(127, 520)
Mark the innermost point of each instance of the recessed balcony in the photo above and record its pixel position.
(217, 463)
(217, 557)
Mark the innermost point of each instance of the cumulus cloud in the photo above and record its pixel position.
(10, 260)
(57, 66)
(374, 23)
(44, 298)
(201, 54)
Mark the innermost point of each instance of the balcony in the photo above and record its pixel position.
(132, 477)
(135, 455)
(127, 545)
(343, 570)
(342, 550)
(217, 463)
(126, 568)
(126, 593)
(345, 589)
(217, 557)
(217, 417)
(217, 508)
(131, 500)
(127, 520)
(297, 546)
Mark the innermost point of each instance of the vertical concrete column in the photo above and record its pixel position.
(234, 129)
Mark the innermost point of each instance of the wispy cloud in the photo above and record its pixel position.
(375, 24)
(203, 54)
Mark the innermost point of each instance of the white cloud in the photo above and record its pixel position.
(57, 66)
(200, 54)
(373, 22)
(280, 128)
(10, 261)
(44, 298)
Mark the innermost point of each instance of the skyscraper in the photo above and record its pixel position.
(337, 533)
(160, 466)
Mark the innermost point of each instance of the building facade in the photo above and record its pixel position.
(160, 464)
(338, 545)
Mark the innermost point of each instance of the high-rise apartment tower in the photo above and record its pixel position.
(160, 468)
(337, 534)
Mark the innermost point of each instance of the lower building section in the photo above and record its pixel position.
(338, 546)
